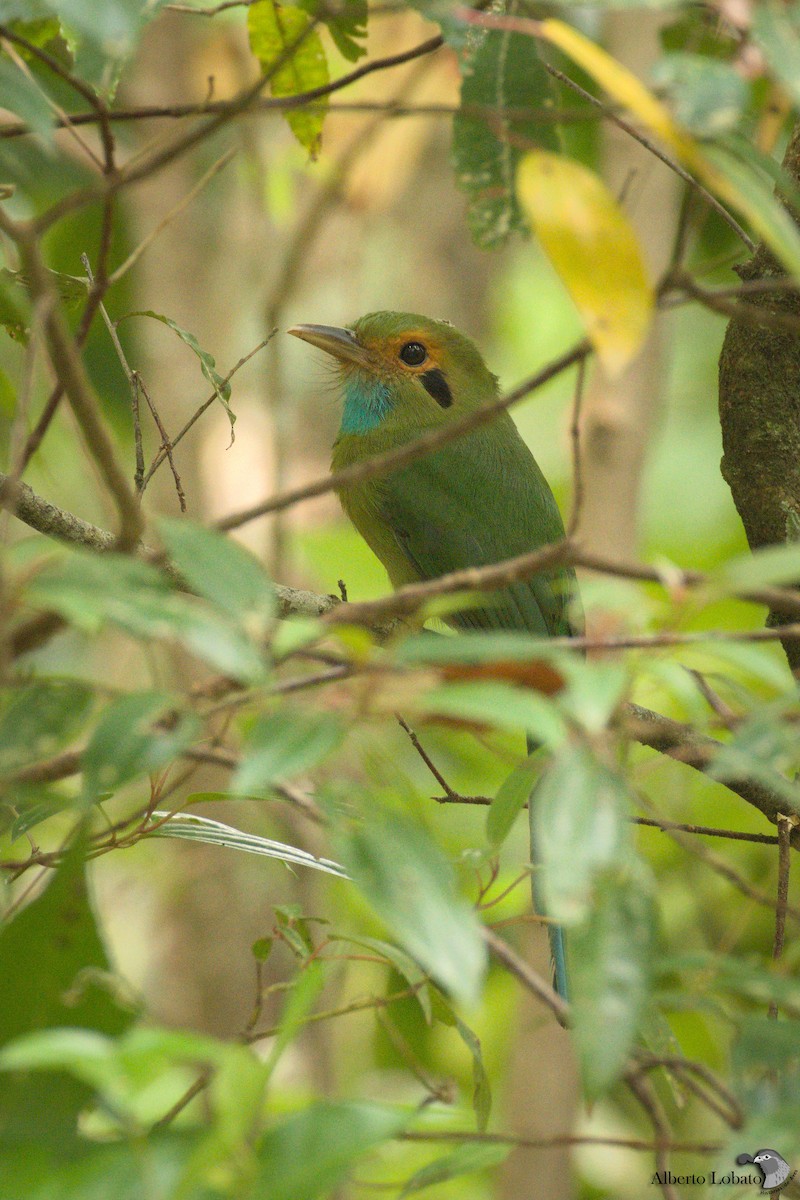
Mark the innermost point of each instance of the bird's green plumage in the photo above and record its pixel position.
(476, 500)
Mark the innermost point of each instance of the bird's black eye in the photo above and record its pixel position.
(413, 353)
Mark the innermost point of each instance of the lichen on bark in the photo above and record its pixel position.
(759, 402)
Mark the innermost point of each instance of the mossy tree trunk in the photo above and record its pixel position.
(759, 403)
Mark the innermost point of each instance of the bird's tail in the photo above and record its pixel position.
(558, 949)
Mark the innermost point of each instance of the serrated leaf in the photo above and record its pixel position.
(192, 828)
(466, 1160)
(208, 364)
(610, 970)
(594, 250)
(283, 744)
(580, 831)
(347, 25)
(282, 30)
(405, 877)
(502, 78)
(218, 568)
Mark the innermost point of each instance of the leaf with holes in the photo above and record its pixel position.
(504, 85)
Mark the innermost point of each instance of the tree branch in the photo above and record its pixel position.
(650, 729)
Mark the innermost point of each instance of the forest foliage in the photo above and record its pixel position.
(681, 715)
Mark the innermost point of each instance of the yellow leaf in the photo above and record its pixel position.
(732, 182)
(594, 249)
(618, 81)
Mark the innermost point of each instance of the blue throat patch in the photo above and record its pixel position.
(366, 403)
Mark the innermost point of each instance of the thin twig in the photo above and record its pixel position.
(382, 464)
(575, 439)
(70, 370)
(132, 377)
(645, 1094)
(765, 839)
(785, 827)
(163, 452)
(531, 980)
(174, 212)
(142, 169)
(166, 444)
(422, 752)
(556, 1141)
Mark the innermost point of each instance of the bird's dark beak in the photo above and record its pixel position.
(340, 343)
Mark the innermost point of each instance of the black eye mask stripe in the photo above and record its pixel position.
(437, 386)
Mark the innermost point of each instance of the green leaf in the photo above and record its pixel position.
(503, 80)
(402, 873)
(90, 589)
(499, 704)
(740, 184)
(104, 35)
(192, 828)
(776, 31)
(610, 967)
(300, 1001)
(763, 1045)
(34, 804)
(594, 250)
(707, 96)
(402, 963)
(481, 1088)
(579, 811)
(22, 95)
(772, 566)
(14, 306)
(511, 798)
(136, 735)
(217, 567)
(57, 931)
(347, 25)
(128, 1074)
(208, 364)
(277, 34)
(309, 1154)
(466, 1160)
(39, 718)
(283, 744)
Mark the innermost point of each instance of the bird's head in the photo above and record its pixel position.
(402, 369)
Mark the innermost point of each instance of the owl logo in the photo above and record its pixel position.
(776, 1170)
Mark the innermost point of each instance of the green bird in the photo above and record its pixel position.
(474, 501)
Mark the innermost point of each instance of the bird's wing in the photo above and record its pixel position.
(473, 503)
